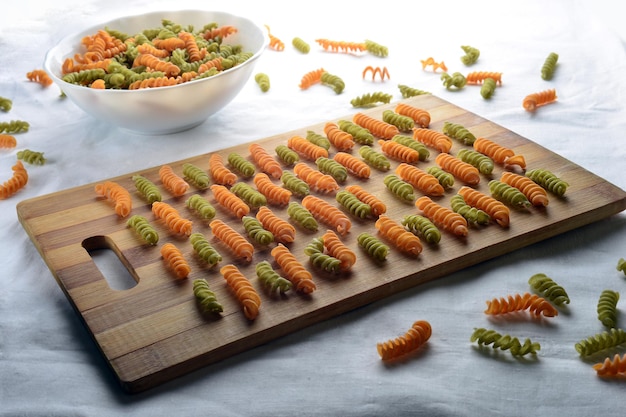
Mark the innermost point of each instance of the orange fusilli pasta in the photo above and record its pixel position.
(341, 46)
(433, 139)
(275, 194)
(421, 117)
(16, 182)
(494, 208)
(377, 127)
(220, 173)
(191, 46)
(311, 77)
(243, 290)
(156, 64)
(412, 340)
(381, 72)
(230, 201)
(119, 195)
(611, 368)
(464, 171)
(315, 179)
(39, 76)
(306, 148)
(442, 216)
(341, 140)
(398, 151)
(7, 141)
(174, 183)
(519, 302)
(337, 249)
(534, 100)
(354, 165)
(536, 194)
(294, 270)
(282, 230)
(400, 237)
(175, 259)
(265, 161)
(327, 213)
(478, 77)
(421, 180)
(275, 43)
(231, 238)
(172, 218)
(377, 205)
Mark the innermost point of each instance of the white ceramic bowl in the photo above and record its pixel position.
(162, 110)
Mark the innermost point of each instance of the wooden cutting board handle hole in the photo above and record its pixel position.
(111, 262)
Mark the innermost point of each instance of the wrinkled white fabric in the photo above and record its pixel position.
(49, 366)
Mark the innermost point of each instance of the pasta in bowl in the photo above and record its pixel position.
(159, 72)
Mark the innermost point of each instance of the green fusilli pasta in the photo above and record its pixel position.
(351, 203)
(399, 188)
(5, 104)
(31, 157)
(508, 194)
(456, 81)
(206, 298)
(504, 342)
(483, 163)
(255, 230)
(445, 178)
(248, 194)
(371, 99)
(302, 216)
(317, 139)
(548, 180)
(263, 81)
(472, 214)
(375, 159)
(196, 175)
(407, 91)
(315, 251)
(621, 265)
(421, 149)
(241, 165)
(471, 55)
(301, 45)
(14, 126)
(287, 156)
(373, 246)
(333, 81)
(201, 206)
(605, 340)
(360, 134)
(294, 184)
(549, 289)
(488, 88)
(142, 226)
(607, 308)
(204, 249)
(423, 227)
(376, 48)
(332, 168)
(147, 188)
(458, 132)
(270, 279)
(404, 123)
(549, 66)
(84, 77)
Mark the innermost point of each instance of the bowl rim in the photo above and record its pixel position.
(47, 64)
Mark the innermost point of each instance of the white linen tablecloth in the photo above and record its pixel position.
(49, 366)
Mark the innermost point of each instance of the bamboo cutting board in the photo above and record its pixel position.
(154, 332)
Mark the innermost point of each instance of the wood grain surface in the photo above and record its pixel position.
(154, 332)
